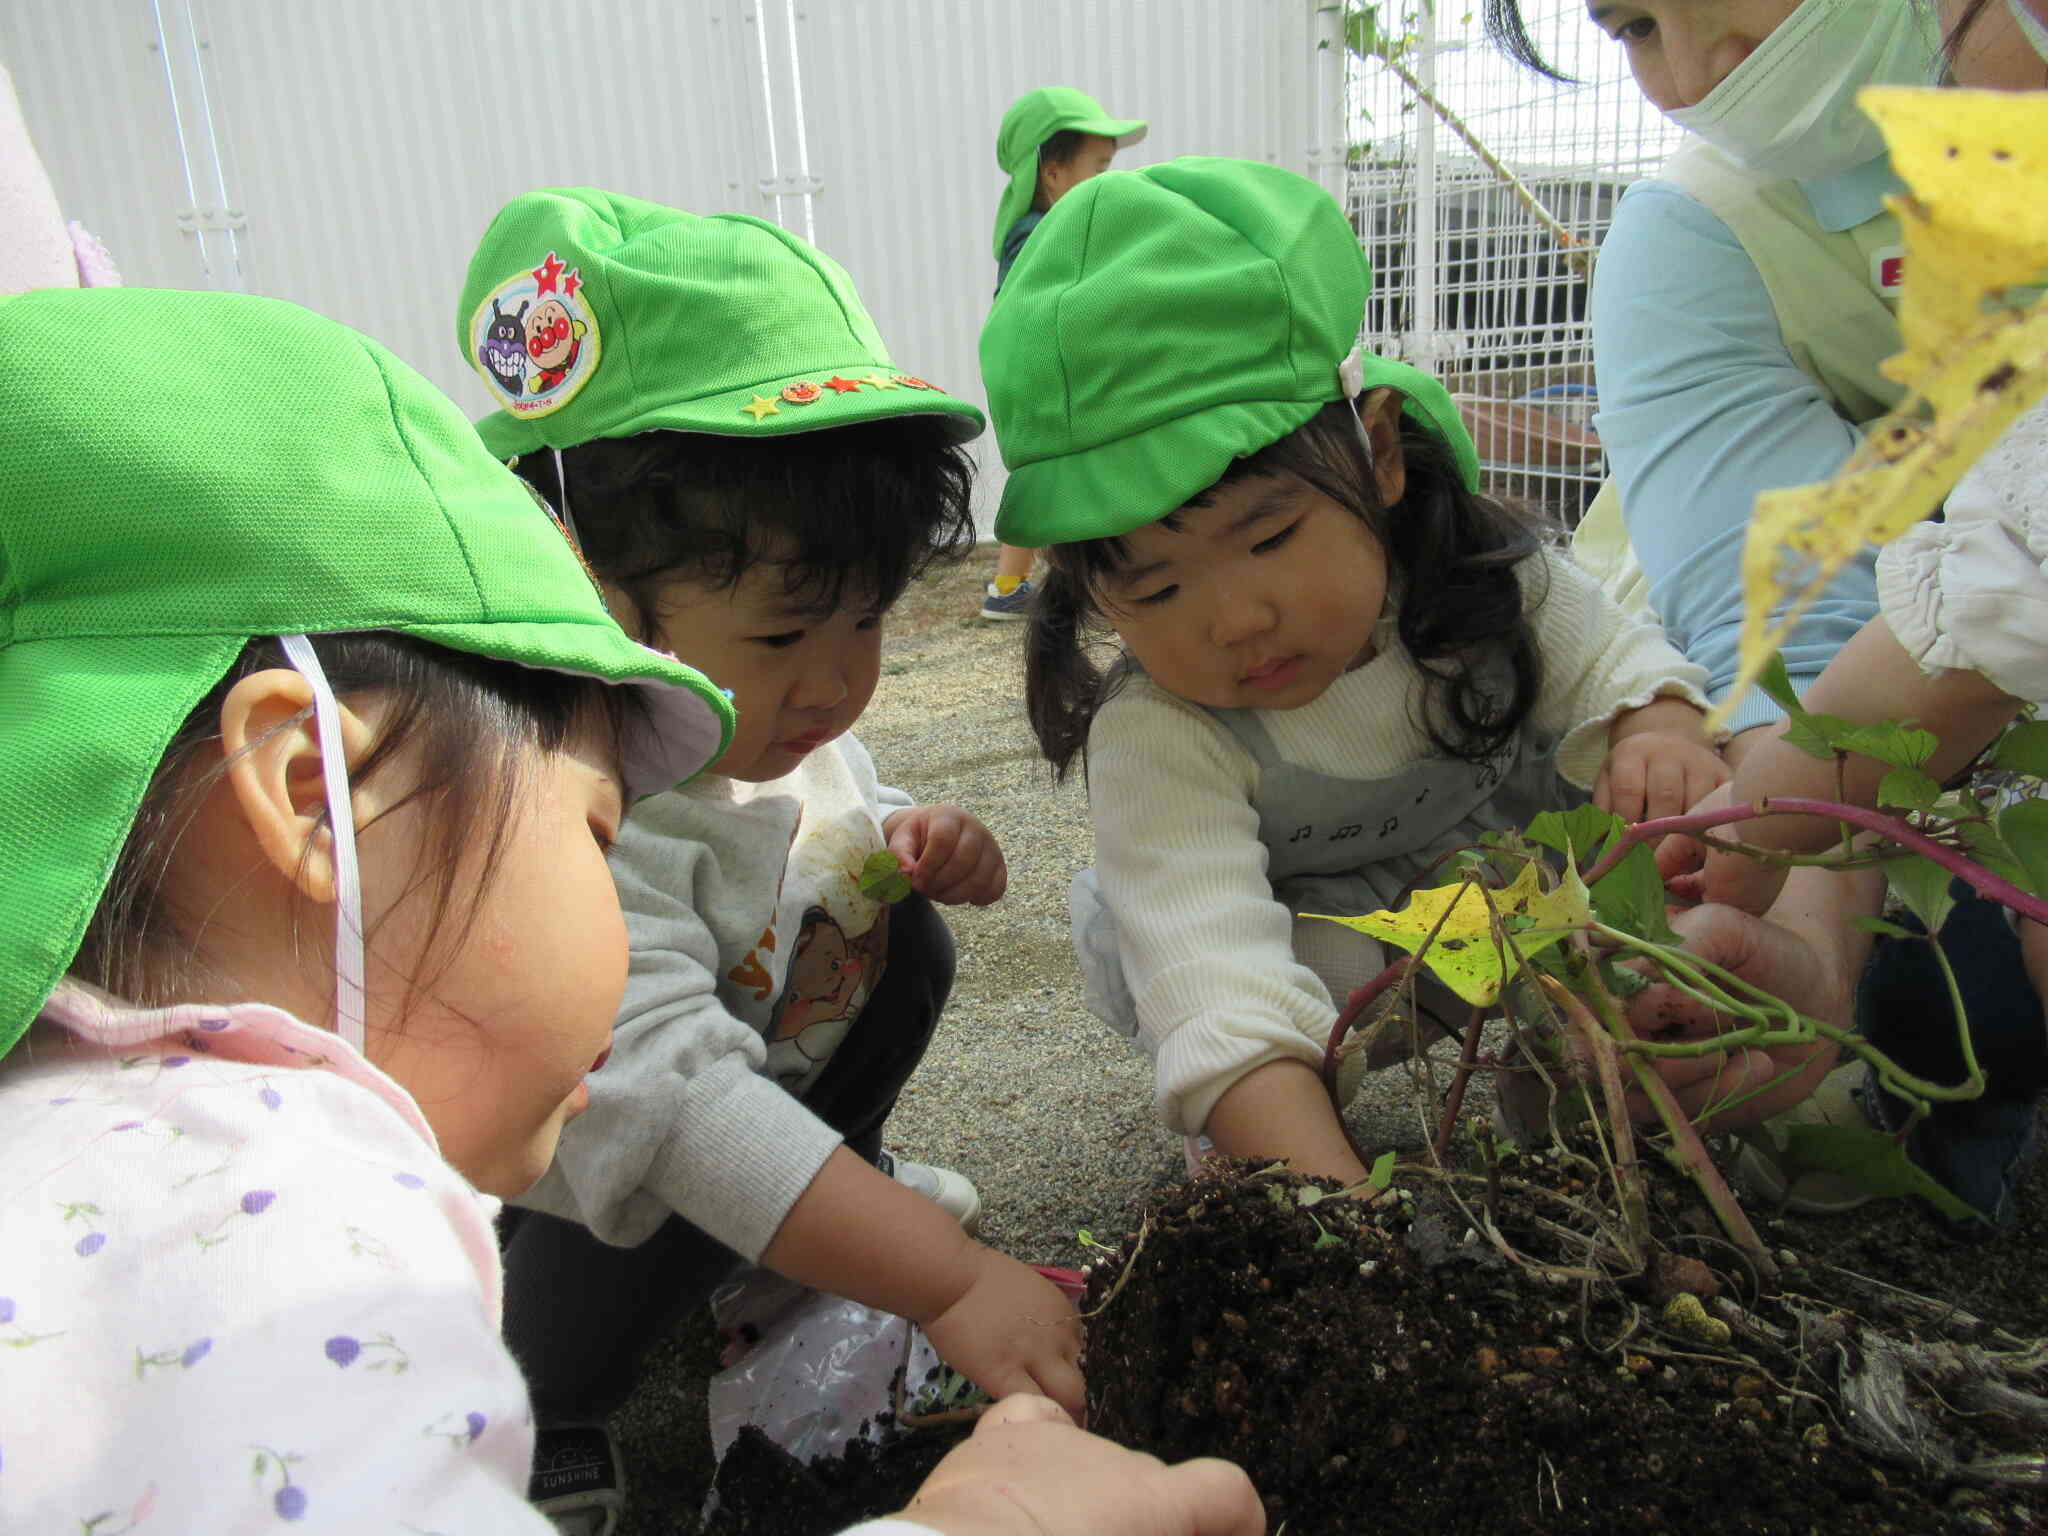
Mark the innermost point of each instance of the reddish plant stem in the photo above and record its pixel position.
(1693, 822)
(1468, 1058)
(1354, 1009)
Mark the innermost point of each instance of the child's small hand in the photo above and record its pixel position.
(948, 854)
(1650, 774)
(1027, 1471)
(1693, 872)
(1012, 1330)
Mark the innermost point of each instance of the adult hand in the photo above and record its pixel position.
(948, 854)
(1027, 1471)
(1807, 952)
(1012, 1330)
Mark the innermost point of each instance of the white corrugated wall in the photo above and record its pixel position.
(347, 156)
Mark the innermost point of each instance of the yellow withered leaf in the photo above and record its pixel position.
(1464, 955)
(1976, 221)
(1976, 347)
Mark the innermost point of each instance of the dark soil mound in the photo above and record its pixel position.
(1386, 1369)
(762, 1489)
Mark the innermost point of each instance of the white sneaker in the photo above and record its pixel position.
(1195, 1150)
(952, 1192)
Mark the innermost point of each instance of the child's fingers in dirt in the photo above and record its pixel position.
(1013, 1331)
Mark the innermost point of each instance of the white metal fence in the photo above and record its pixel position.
(347, 156)
(1468, 282)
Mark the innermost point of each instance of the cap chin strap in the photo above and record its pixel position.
(1351, 378)
(1351, 372)
(562, 495)
(341, 818)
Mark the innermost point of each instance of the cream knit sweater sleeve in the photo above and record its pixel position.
(1598, 663)
(1206, 948)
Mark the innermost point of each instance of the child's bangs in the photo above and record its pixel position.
(851, 514)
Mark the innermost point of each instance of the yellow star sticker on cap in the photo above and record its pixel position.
(761, 406)
(880, 382)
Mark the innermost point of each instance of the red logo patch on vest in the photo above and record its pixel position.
(1888, 269)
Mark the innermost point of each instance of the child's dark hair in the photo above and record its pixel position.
(1451, 557)
(848, 513)
(1060, 149)
(469, 723)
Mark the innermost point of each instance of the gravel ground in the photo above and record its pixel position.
(1022, 1090)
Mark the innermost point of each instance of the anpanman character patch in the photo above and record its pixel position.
(535, 339)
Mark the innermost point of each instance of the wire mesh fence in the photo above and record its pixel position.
(1470, 282)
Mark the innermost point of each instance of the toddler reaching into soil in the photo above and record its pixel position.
(306, 936)
(753, 482)
(1339, 660)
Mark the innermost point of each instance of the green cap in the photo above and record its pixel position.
(1035, 117)
(590, 315)
(189, 471)
(1166, 321)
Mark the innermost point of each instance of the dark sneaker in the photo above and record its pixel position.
(578, 1481)
(1977, 1150)
(1014, 604)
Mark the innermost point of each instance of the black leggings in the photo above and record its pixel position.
(580, 1313)
(1903, 1005)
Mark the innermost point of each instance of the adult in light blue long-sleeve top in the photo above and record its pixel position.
(1743, 304)
(1703, 406)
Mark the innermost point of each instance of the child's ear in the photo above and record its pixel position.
(272, 745)
(1379, 416)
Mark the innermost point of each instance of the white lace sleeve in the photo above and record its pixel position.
(1971, 592)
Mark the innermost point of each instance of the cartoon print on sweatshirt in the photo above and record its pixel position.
(831, 976)
(534, 339)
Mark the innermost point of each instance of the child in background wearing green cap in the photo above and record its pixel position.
(754, 482)
(1051, 140)
(1340, 659)
(307, 942)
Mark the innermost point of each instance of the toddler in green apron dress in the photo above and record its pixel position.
(1339, 660)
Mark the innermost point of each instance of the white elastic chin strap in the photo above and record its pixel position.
(1351, 378)
(348, 880)
(562, 495)
(1351, 372)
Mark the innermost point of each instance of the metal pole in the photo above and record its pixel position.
(1423, 339)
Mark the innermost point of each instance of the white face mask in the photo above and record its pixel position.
(2032, 27)
(1789, 109)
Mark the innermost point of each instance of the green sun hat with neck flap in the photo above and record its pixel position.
(589, 314)
(1035, 117)
(1163, 322)
(191, 471)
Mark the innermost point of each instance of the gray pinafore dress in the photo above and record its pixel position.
(1342, 846)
